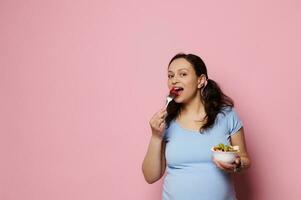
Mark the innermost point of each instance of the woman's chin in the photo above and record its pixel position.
(179, 99)
(176, 100)
(182, 99)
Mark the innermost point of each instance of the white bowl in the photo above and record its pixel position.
(228, 157)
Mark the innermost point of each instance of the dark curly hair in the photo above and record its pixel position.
(212, 96)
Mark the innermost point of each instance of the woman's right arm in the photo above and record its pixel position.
(153, 166)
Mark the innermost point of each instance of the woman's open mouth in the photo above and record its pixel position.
(178, 90)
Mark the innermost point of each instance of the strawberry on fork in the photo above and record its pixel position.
(173, 93)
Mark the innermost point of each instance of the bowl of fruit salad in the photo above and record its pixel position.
(225, 153)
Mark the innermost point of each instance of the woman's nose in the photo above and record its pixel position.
(174, 80)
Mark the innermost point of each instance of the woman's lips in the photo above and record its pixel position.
(176, 91)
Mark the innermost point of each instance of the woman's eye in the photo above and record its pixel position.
(183, 74)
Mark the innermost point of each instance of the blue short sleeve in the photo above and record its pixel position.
(234, 122)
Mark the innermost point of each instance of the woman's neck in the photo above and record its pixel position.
(195, 108)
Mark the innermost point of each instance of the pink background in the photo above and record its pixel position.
(80, 81)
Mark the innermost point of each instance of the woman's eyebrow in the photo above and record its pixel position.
(179, 69)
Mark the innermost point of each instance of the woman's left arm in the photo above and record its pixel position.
(244, 161)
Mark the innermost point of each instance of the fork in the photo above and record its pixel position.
(169, 98)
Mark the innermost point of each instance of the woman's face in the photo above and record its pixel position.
(181, 74)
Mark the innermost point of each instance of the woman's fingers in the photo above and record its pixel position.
(217, 164)
(157, 122)
(162, 126)
(161, 116)
(237, 160)
(162, 113)
(227, 166)
(224, 166)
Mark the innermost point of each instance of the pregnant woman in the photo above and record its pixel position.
(198, 118)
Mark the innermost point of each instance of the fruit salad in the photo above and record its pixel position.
(226, 148)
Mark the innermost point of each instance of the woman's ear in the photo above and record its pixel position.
(201, 80)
